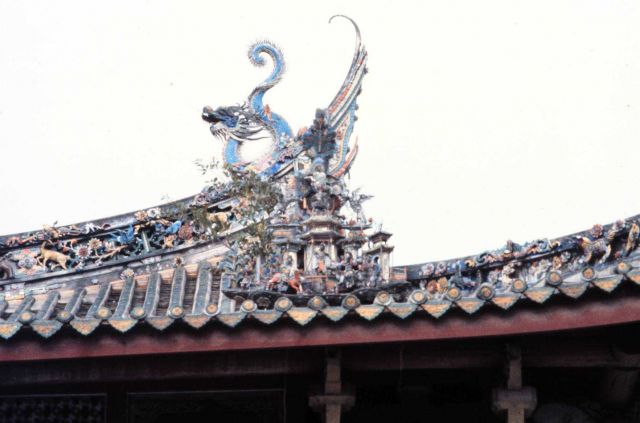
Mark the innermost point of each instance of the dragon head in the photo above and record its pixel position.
(253, 136)
(237, 122)
(247, 137)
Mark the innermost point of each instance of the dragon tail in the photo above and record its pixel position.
(255, 53)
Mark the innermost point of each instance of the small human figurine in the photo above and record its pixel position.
(295, 281)
(359, 271)
(320, 261)
(244, 282)
(346, 270)
(274, 281)
(376, 272)
(285, 272)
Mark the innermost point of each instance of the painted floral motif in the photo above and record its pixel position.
(27, 262)
(95, 244)
(82, 252)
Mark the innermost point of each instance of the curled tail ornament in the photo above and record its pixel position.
(280, 131)
(342, 109)
(255, 54)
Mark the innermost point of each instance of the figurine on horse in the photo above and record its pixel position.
(289, 274)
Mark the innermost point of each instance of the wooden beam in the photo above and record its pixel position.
(163, 367)
(589, 349)
(514, 400)
(332, 401)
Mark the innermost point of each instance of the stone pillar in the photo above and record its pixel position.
(385, 263)
(333, 400)
(309, 251)
(514, 401)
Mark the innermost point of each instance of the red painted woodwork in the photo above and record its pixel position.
(321, 332)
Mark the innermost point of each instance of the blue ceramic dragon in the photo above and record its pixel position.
(245, 129)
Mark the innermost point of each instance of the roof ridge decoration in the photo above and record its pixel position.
(253, 122)
(325, 257)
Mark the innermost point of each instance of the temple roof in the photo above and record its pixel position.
(201, 260)
(182, 283)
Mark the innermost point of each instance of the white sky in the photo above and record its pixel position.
(480, 121)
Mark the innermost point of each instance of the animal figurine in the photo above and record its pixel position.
(219, 221)
(508, 274)
(51, 231)
(54, 256)
(632, 239)
(6, 271)
(615, 230)
(592, 249)
(127, 237)
(168, 241)
(173, 228)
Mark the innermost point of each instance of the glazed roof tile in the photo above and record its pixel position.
(187, 287)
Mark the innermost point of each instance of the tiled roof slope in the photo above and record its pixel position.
(186, 284)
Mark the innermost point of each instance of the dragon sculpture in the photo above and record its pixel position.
(246, 129)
